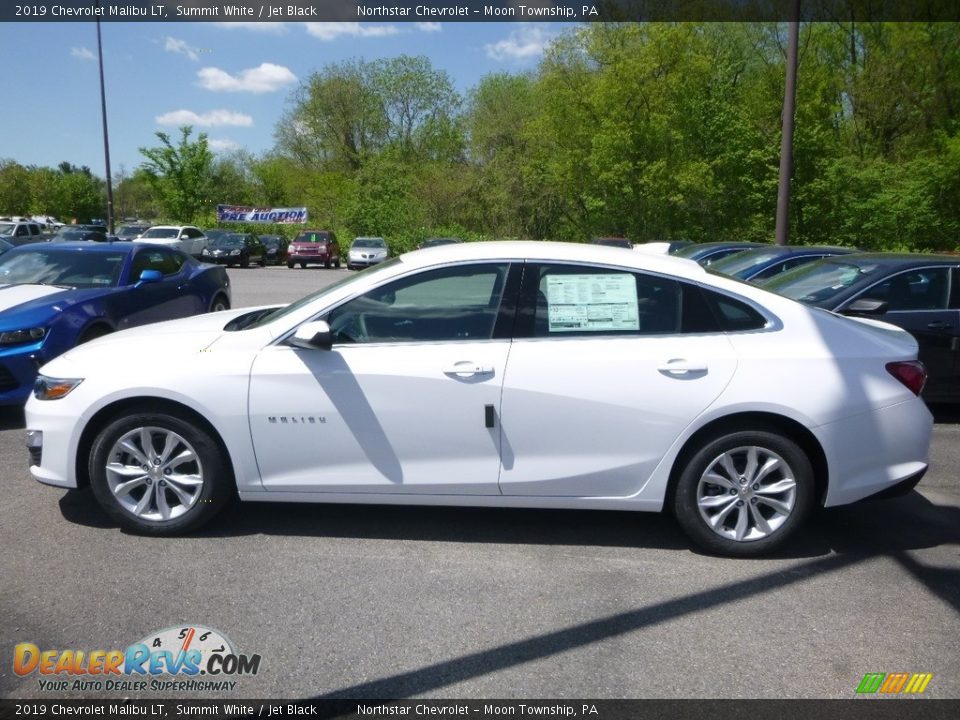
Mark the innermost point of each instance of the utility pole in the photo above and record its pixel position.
(786, 141)
(106, 140)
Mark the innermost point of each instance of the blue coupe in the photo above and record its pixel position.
(56, 296)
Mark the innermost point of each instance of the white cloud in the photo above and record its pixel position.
(172, 44)
(214, 118)
(222, 144)
(522, 44)
(261, 27)
(428, 27)
(327, 31)
(265, 78)
(82, 53)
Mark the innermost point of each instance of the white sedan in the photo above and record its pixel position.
(501, 375)
(185, 238)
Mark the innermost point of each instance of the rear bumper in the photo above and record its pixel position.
(882, 451)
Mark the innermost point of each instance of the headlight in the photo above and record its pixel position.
(48, 388)
(234, 252)
(15, 337)
(204, 252)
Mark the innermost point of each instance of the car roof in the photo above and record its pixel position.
(904, 259)
(83, 246)
(553, 251)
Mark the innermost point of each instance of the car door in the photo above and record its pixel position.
(606, 370)
(405, 399)
(165, 299)
(926, 303)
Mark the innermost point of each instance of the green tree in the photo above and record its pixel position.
(180, 175)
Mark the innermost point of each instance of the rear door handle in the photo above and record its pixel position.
(938, 325)
(466, 368)
(680, 367)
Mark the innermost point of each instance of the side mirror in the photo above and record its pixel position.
(149, 276)
(867, 307)
(312, 336)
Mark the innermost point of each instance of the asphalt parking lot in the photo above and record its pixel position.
(376, 602)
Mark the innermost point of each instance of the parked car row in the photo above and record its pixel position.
(917, 292)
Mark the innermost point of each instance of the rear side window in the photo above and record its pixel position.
(572, 300)
(733, 315)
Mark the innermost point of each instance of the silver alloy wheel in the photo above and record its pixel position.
(154, 473)
(746, 493)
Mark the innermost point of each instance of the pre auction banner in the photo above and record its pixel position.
(239, 213)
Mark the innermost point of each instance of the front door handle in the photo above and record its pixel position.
(680, 367)
(466, 368)
(938, 325)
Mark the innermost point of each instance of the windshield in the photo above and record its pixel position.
(66, 268)
(738, 262)
(269, 241)
(228, 241)
(819, 283)
(7, 230)
(304, 301)
(369, 243)
(311, 237)
(129, 231)
(161, 233)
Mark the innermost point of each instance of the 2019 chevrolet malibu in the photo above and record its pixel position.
(496, 374)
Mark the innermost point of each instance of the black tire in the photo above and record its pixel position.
(303, 265)
(219, 303)
(245, 263)
(92, 333)
(737, 499)
(290, 264)
(216, 491)
(326, 263)
(336, 263)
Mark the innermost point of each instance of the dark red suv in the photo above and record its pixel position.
(314, 246)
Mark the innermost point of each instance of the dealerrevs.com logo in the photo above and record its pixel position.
(190, 658)
(894, 683)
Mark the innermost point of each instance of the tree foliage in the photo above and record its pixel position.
(180, 175)
(650, 130)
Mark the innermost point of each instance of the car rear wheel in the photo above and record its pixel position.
(744, 493)
(158, 474)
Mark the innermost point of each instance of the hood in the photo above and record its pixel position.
(164, 348)
(27, 305)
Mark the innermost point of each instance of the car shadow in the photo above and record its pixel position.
(872, 527)
(945, 413)
(11, 418)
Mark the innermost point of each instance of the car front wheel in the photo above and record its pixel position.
(158, 474)
(744, 493)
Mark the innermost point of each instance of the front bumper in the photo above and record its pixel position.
(354, 262)
(18, 370)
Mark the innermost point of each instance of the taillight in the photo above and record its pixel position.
(911, 373)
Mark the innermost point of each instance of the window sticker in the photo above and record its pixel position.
(594, 303)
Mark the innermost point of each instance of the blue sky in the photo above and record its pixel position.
(231, 81)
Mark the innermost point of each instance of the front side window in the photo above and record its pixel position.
(924, 289)
(166, 262)
(445, 304)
